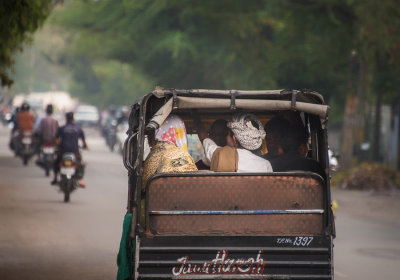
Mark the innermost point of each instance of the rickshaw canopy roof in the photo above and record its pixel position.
(161, 102)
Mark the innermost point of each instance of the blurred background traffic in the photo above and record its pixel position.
(111, 121)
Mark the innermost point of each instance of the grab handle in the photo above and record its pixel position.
(127, 152)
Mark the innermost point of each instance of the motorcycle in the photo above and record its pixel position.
(333, 161)
(121, 136)
(47, 156)
(25, 147)
(112, 135)
(69, 174)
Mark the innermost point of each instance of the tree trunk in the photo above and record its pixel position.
(348, 136)
(398, 133)
(377, 128)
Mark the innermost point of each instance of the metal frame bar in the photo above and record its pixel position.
(138, 168)
(282, 263)
(236, 249)
(137, 253)
(315, 97)
(236, 276)
(127, 152)
(237, 212)
(219, 174)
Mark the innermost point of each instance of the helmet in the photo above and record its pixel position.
(125, 109)
(69, 116)
(25, 106)
(49, 109)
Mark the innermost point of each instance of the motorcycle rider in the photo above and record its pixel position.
(24, 121)
(14, 131)
(67, 138)
(47, 128)
(124, 115)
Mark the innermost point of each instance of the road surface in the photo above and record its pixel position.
(42, 238)
(367, 244)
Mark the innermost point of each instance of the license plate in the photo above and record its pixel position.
(48, 150)
(68, 171)
(26, 141)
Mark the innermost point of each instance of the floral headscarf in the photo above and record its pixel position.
(173, 130)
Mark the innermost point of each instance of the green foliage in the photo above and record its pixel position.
(233, 44)
(112, 82)
(18, 20)
(35, 67)
(378, 43)
(310, 48)
(209, 44)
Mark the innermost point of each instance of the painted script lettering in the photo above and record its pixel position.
(221, 264)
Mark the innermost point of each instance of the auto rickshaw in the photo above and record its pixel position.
(227, 225)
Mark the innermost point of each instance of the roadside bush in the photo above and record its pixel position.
(368, 176)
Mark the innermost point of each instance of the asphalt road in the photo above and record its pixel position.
(43, 238)
(367, 244)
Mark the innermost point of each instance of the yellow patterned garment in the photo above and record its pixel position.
(165, 157)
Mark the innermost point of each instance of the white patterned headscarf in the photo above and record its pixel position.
(173, 130)
(248, 136)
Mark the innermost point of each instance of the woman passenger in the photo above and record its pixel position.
(169, 152)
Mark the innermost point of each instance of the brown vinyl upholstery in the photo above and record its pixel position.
(207, 192)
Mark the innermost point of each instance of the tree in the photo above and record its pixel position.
(214, 44)
(18, 20)
(337, 47)
(167, 43)
(358, 39)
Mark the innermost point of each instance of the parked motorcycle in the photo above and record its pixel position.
(25, 148)
(47, 156)
(69, 174)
